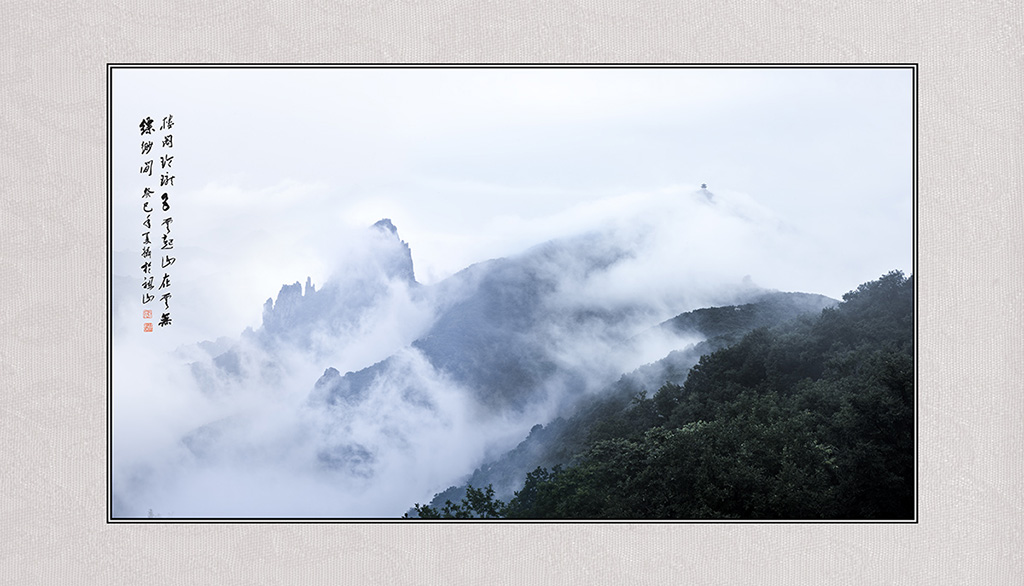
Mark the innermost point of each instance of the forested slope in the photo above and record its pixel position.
(813, 419)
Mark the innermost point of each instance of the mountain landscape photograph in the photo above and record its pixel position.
(416, 294)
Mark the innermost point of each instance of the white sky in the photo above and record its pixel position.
(273, 167)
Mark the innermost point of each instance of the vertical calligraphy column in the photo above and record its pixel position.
(146, 128)
(157, 222)
(166, 242)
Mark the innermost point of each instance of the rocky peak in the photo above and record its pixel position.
(386, 224)
(299, 308)
(288, 305)
(402, 266)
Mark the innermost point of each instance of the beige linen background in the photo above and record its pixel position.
(53, 263)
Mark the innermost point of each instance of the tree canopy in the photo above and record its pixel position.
(812, 419)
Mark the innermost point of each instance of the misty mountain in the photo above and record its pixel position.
(497, 323)
(362, 376)
(338, 305)
(307, 320)
(504, 328)
(811, 418)
(554, 443)
(506, 333)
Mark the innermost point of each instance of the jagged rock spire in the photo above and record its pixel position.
(403, 267)
(385, 224)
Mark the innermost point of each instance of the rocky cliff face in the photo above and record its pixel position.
(399, 264)
(317, 322)
(339, 303)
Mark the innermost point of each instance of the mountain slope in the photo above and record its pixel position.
(503, 328)
(810, 419)
(555, 442)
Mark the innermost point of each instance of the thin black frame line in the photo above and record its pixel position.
(512, 65)
(917, 290)
(109, 296)
(398, 520)
(393, 521)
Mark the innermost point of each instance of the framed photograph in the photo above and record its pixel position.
(512, 293)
